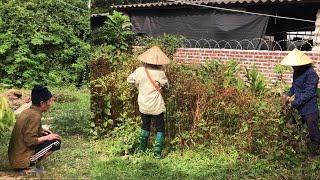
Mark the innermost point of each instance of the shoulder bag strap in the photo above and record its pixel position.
(152, 81)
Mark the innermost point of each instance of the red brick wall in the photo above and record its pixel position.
(265, 61)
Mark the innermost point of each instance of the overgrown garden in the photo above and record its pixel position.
(222, 120)
(218, 125)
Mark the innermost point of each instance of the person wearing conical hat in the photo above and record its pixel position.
(150, 80)
(304, 91)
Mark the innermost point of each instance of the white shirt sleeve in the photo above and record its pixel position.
(132, 77)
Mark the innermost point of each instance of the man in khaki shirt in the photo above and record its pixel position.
(30, 142)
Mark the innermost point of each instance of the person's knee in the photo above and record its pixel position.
(146, 125)
(56, 145)
(159, 122)
(160, 128)
(315, 136)
(313, 129)
(146, 128)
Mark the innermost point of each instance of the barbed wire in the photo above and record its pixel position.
(251, 44)
(246, 44)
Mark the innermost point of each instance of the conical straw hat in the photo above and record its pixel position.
(154, 56)
(296, 58)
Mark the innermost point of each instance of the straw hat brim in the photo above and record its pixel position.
(154, 56)
(296, 58)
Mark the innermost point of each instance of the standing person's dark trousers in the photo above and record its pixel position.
(312, 123)
(159, 122)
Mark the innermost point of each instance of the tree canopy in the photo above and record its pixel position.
(43, 41)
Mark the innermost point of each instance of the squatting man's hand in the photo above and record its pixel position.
(53, 137)
(46, 131)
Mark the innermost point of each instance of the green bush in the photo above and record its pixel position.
(116, 31)
(6, 116)
(123, 139)
(109, 90)
(109, 56)
(43, 42)
(70, 114)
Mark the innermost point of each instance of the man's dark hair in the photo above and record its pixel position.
(40, 93)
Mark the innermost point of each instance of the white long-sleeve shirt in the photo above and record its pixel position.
(149, 99)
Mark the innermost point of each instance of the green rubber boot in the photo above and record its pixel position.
(144, 136)
(159, 143)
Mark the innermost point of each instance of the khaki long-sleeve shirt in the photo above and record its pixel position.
(149, 99)
(24, 137)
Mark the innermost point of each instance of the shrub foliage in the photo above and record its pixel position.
(43, 41)
(6, 116)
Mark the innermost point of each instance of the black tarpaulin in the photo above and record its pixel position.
(201, 24)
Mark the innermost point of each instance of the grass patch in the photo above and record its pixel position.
(72, 161)
(215, 163)
(70, 114)
(198, 164)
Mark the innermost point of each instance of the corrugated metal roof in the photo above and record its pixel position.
(238, 1)
(204, 2)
